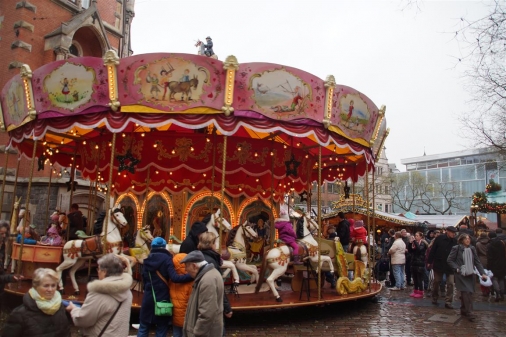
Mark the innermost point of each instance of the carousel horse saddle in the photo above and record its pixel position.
(91, 246)
(302, 251)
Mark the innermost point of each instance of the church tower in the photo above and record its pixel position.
(36, 32)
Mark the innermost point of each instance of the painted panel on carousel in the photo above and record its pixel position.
(170, 83)
(279, 92)
(354, 113)
(70, 87)
(14, 103)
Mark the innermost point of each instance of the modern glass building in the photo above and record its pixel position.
(447, 180)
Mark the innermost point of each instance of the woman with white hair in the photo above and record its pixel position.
(42, 313)
(106, 309)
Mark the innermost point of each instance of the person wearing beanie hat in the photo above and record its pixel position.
(359, 232)
(286, 232)
(52, 238)
(496, 259)
(191, 242)
(343, 231)
(157, 271)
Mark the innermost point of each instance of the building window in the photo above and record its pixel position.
(387, 189)
(379, 207)
(85, 4)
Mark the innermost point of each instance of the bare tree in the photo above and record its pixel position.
(484, 42)
(407, 189)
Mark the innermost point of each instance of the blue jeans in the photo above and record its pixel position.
(161, 330)
(177, 331)
(398, 270)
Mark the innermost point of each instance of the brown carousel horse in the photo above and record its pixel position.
(76, 252)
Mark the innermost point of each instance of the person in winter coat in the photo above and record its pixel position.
(204, 315)
(359, 233)
(192, 240)
(42, 313)
(206, 246)
(438, 257)
(496, 262)
(406, 237)
(398, 259)
(109, 298)
(76, 221)
(52, 238)
(286, 232)
(6, 278)
(462, 259)
(343, 231)
(417, 248)
(481, 249)
(158, 270)
(179, 295)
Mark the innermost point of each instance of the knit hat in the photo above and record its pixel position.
(158, 243)
(359, 223)
(283, 212)
(55, 216)
(52, 230)
(195, 256)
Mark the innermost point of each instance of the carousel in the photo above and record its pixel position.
(169, 138)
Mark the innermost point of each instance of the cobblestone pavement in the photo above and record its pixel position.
(392, 313)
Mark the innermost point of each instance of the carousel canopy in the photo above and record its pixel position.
(184, 122)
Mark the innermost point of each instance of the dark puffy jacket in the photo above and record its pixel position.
(28, 320)
(343, 232)
(214, 258)
(192, 240)
(158, 260)
(496, 257)
(417, 252)
(439, 252)
(4, 278)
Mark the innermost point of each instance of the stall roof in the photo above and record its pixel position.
(440, 221)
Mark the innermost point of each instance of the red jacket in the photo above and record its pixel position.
(359, 233)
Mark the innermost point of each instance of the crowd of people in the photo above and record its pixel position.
(190, 280)
(452, 256)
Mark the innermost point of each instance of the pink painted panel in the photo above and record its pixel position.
(70, 87)
(171, 82)
(353, 112)
(279, 92)
(13, 103)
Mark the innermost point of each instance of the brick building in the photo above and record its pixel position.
(36, 32)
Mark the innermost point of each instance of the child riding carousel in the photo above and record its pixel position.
(286, 232)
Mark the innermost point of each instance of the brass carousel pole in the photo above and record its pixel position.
(48, 194)
(108, 194)
(16, 179)
(72, 177)
(90, 205)
(319, 218)
(14, 217)
(145, 213)
(213, 176)
(20, 262)
(371, 244)
(3, 180)
(272, 229)
(223, 180)
(368, 204)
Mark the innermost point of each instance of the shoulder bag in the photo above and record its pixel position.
(162, 308)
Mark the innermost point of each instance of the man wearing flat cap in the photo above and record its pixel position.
(438, 257)
(204, 314)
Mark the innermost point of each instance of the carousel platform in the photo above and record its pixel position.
(246, 299)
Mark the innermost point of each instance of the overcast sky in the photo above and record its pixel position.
(404, 58)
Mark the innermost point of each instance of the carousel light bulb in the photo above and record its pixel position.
(70, 164)
(257, 180)
(170, 173)
(192, 149)
(205, 175)
(193, 186)
(57, 151)
(207, 139)
(45, 162)
(143, 134)
(157, 172)
(284, 146)
(239, 148)
(84, 142)
(110, 144)
(272, 153)
(155, 145)
(307, 156)
(263, 192)
(119, 173)
(124, 175)
(96, 147)
(136, 124)
(61, 142)
(102, 178)
(123, 135)
(175, 186)
(298, 144)
(173, 151)
(293, 200)
(77, 166)
(45, 142)
(256, 154)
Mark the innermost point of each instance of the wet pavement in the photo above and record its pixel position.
(392, 313)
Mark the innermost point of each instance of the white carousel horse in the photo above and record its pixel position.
(76, 252)
(21, 224)
(360, 252)
(237, 249)
(143, 238)
(278, 258)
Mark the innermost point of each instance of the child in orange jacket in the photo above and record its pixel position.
(179, 295)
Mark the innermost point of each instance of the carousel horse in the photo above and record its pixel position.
(77, 252)
(19, 229)
(9, 242)
(63, 222)
(237, 248)
(278, 258)
(143, 238)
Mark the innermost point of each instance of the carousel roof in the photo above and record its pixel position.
(182, 122)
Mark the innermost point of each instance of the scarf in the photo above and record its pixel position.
(468, 267)
(49, 307)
